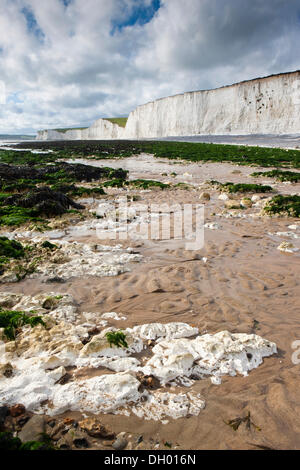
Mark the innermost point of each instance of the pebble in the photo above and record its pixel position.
(107, 443)
(120, 443)
(78, 438)
(246, 202)
(232, 204)
(95, 429)
(17, 410)
(4, 412)
(33, 429)
(204, 197)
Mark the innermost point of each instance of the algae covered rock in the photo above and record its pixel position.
(232, 204)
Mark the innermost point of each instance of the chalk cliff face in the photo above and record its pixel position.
(269, 105)
(51, 134)
(101, 129)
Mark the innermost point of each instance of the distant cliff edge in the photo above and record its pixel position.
(269, 105)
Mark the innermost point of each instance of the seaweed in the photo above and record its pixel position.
(74, 190)
(17, 178)
(235, 423)
(284, 205)
(241, 187)
(11, 248)
(49, 246)
(168, 444)
(80, 191)
(139, 183)
(118, 338)
(12, 215)
(190, 151)
(280, 175)
(146, 184)
(11, 320)
(8, 442)
(44, 201)
(114, 183)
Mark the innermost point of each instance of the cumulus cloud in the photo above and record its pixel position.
(69, 62)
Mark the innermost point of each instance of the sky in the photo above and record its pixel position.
(66, 63)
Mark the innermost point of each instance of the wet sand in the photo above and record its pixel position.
(246, 286)
(262, 140)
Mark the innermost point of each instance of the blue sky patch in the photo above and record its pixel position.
(140, 14)
(15, 98)
(66, 2)
(32, 24)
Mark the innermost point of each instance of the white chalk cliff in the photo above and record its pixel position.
(269, 105)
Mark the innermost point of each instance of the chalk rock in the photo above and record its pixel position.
(169, 331)
(219, 354)
(115, 363)
(164, 404)
(6, 370)
(105, 393)
(8, 300)
(223, 197)
(99, 346)
(57, 374)
(113, 316)
(212, 226)
(287, 247)
(232, 204)
(95, 429)
(245, 202)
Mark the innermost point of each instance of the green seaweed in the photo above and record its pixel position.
(189, 151)
(11, 320)
(236, 422)
(146, 184)
(280, 175)
(81, 191)
(284, 205)
(11, 248)
(118, 338)
(49, 246)
(15, 216)
(241, 187)
(10, 443)
(114, 183)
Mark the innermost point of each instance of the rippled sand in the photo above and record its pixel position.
(245, 286)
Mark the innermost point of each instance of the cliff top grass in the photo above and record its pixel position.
(194, 152)
(120, 121)
(63, 131)
(284, 205)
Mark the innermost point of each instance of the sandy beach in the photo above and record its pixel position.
(238, 282)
